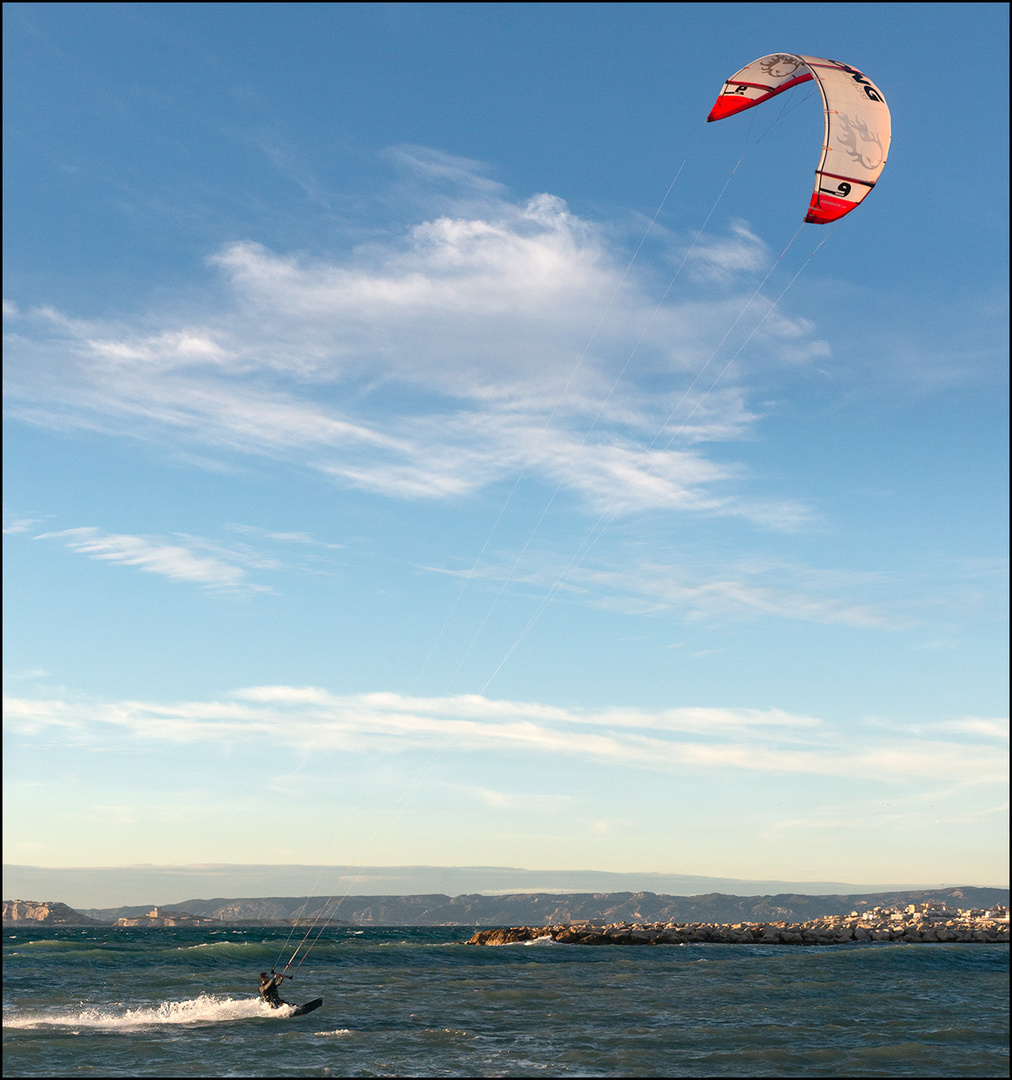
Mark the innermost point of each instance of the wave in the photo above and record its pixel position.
(57, 944)
(206, 1009)
(267, 948)
(538, 942)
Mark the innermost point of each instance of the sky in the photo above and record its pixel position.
(428, 442)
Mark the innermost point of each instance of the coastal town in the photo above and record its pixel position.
(158, 916)
(930, 921)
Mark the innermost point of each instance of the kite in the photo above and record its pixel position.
(857, 134)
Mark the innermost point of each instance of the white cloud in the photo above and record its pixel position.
(460, 172)
(726, 259)
(681, 740)
(222, 567)
(284, 537)
(981, 727)
(170, 560)
(741, 598)
(697, 589)
(21, 525)
(427, 365)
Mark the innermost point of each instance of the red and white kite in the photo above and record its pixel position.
(856, 141)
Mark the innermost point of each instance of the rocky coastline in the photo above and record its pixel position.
(44, 913)
(914, 927)
(957, 914)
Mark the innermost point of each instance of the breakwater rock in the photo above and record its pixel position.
(832, 931)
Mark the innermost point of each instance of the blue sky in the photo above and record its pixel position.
(395, 474)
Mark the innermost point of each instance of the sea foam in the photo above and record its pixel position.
(206, 1009)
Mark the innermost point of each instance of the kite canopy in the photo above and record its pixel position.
(856, 141)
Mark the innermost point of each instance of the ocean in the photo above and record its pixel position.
(418, 1002)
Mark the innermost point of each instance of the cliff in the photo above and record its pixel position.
(45, 912)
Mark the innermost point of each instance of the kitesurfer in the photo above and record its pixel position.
(269, 988)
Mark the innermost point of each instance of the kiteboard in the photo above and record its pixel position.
(301, 1010)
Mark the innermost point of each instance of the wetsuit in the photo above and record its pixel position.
(269, 991)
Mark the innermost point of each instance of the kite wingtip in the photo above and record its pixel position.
(825, 209)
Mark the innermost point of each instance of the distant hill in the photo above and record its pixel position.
(101, 886)
(545, 909)
(44, 912)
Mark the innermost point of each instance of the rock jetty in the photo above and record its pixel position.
(919, 923)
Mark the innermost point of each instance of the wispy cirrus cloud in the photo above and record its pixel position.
(726, 258)
(430, 364)
(198, 560)
(20, 525)
(739, 598)
(300, 538)
(925, 595)
(679, 740)
(176, 561)
(740, 589)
